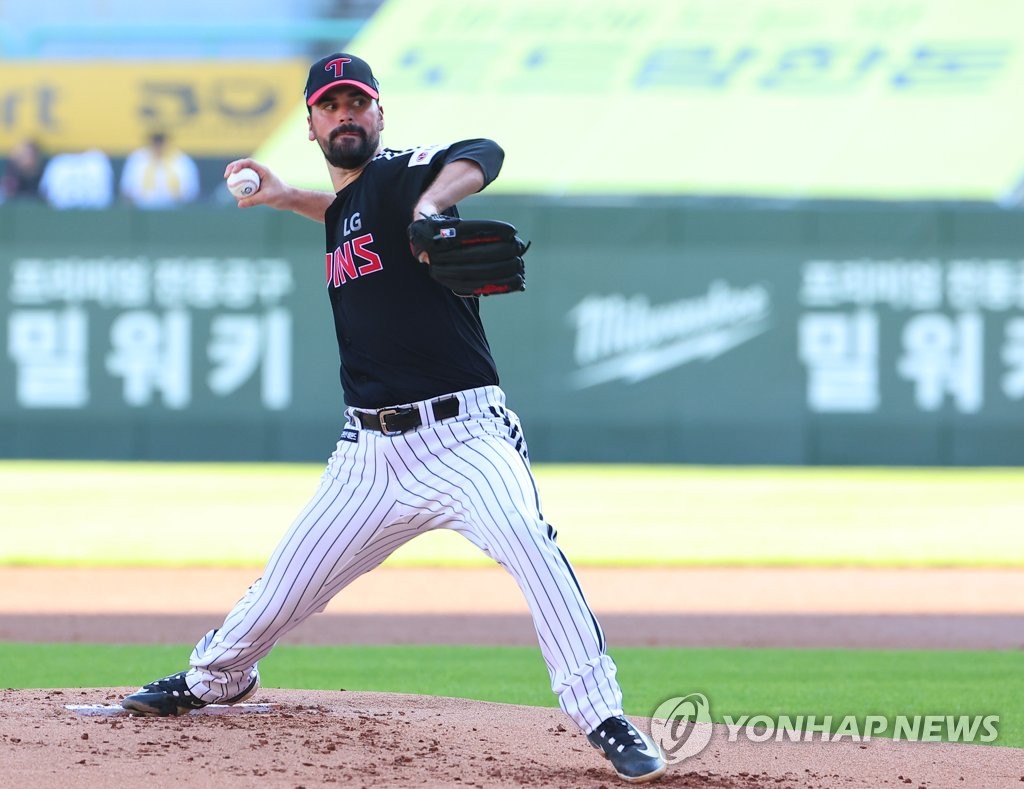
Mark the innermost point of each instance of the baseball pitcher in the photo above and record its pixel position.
(428, 440)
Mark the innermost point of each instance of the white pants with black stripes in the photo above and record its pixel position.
(469, 473)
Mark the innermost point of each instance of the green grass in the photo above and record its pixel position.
(233, 514)
(736, 681)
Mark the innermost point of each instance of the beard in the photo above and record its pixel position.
(347, 152)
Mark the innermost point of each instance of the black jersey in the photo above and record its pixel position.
(401, 336)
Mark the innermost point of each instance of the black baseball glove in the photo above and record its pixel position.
(473, 257)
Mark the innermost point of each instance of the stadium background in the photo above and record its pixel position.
(773, 233)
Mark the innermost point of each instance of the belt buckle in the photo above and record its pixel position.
(382, 416)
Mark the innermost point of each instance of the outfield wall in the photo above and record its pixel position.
(653, 330)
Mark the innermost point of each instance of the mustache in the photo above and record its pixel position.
(347, 128)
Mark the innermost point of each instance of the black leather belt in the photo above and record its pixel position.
(392, 421)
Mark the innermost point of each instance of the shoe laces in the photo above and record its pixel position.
(619, 733)
(174, 684)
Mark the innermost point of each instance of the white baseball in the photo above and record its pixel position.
(244, 183)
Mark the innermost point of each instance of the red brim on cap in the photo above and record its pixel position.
(362, 86)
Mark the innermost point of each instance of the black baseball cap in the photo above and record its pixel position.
(339, 69)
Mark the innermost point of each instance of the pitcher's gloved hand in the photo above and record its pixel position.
(472, 257)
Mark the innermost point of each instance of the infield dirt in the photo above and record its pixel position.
(319, 738)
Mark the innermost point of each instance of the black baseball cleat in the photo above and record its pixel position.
(171, 696)
(635, 758)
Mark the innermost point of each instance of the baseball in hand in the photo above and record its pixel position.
(244, 183)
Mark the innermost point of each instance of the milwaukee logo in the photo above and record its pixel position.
(629, 339)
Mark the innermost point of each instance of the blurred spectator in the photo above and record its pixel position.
(1013, 197)
(78, 180)
(23, 172)
(159, 175)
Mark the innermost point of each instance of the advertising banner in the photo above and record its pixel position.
(207, 108)
(665, 333)
(851, 99)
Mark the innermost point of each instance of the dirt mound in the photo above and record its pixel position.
(318, 738)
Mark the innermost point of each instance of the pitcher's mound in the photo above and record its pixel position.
(317, 738)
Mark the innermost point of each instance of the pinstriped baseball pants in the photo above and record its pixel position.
(469, 473)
